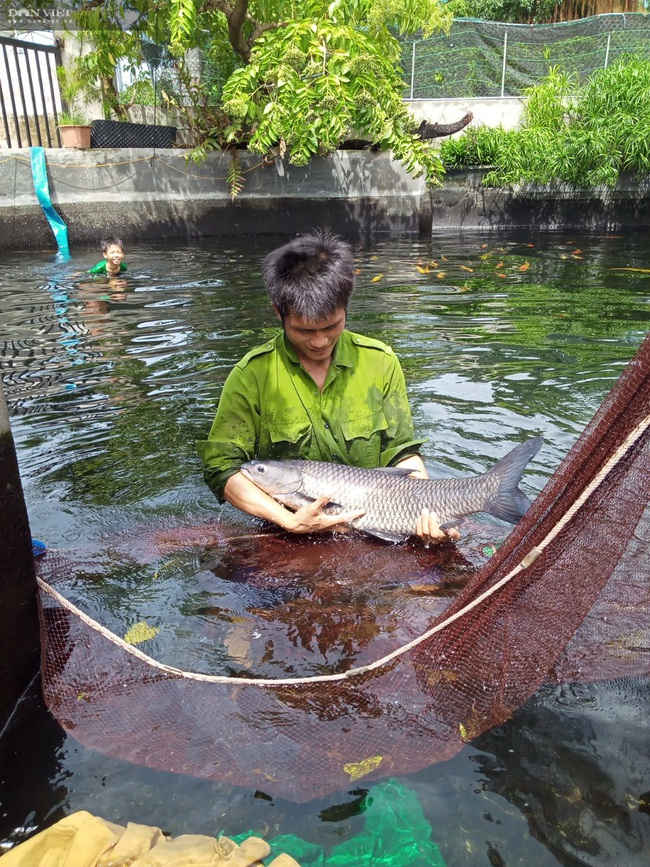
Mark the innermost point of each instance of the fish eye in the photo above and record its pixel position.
(260, 469)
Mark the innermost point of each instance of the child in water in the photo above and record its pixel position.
(113, 262)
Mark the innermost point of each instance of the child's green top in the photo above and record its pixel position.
(100, 267)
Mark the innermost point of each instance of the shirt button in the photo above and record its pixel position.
(327, 427)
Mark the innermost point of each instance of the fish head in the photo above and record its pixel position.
(274, 477)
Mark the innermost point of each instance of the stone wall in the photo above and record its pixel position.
(140, 194)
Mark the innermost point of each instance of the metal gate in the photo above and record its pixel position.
(29, 94)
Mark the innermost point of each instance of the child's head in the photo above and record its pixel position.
(113, 251)
(111, 241)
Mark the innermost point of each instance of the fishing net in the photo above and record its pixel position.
(565, 597)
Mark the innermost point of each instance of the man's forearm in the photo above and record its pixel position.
(415, 463)
(244, 495)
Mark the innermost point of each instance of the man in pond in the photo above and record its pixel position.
(315, 391)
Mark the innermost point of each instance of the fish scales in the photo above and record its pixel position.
(391, 500)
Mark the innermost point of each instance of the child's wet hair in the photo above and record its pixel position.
(112, 239)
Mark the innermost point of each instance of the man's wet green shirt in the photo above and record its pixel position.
(271, 408)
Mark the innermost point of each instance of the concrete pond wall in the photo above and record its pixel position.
(146, 194)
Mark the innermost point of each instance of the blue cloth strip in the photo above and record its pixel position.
(42, 190)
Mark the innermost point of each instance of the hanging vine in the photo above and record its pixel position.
(235, 176)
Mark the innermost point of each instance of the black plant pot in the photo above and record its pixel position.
(122, 134)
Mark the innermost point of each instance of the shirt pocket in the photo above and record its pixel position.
(288, 428)
(364, 426)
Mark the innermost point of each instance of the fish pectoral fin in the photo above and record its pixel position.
(386, 535)
(451, 524)
(296, 501)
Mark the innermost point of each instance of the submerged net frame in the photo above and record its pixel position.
(567, 597)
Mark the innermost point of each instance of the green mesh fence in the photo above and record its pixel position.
(492, 59)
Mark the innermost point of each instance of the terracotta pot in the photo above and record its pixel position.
(75, 136)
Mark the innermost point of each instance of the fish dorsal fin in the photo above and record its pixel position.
(396, 471)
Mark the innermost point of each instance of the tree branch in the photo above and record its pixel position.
(436, 130)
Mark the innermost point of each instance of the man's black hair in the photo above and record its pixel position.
(106, 243)
(311, 277)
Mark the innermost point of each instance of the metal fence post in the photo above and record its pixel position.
(609, 39)
(503, 68)
(413, 69)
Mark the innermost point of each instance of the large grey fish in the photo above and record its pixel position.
(392, 501)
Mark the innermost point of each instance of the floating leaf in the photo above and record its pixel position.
(463, 731)
(444, 675)
(638, 270)
(140, 632)
(501, 274)
(525, 266)
(377, 278)
(356, 770)
(422, 270)
(465, 268)
(440, 275)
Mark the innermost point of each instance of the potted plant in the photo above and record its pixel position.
(74, 126)
(74, 130)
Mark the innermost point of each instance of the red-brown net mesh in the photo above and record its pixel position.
(567, 597)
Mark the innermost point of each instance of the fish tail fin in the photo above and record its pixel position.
(511, 504)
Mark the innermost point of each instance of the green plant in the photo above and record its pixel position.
(580, 136)
(73, 97)
(72, 118)
(235, 176)
(309, 86)
(479, 146)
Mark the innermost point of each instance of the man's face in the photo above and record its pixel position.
(314, 341)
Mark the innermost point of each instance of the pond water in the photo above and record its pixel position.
(501, 338)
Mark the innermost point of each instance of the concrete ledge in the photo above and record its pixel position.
(505, 111)
(146, 194)
(463, 203)
(143, 194)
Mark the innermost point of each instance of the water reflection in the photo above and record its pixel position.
(574, 761)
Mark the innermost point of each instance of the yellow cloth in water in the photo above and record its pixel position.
(84, 840)
(78, 840)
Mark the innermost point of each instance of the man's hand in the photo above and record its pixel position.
(427, 526)
(428, 529)
(310, 518)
